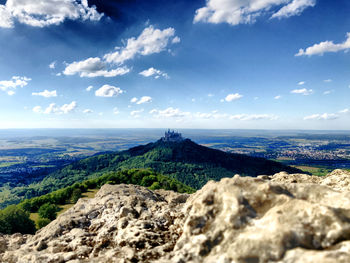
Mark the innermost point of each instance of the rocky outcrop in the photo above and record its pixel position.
(282, 218)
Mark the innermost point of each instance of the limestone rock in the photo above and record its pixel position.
(284, 218)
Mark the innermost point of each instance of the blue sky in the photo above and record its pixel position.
(258, 64)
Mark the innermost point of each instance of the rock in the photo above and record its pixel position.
(284, 218)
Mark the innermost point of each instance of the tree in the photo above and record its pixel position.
(76, 194)
(15, 220)
(48, 210)
(42, 222)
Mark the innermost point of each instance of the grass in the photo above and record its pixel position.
(317, 171)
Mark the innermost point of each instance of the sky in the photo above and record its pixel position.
(230, 64)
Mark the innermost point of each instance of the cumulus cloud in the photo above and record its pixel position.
(303, 91)
(236, 12)
(89, 88)
(136, 113)
(52, 65)
(169, 113)
(301, 83)
(345, 111)
(46, 93)
(54, 109)
(324, 116)
(45, 13)
(295, 7)
(150, 41)
(142, 100)
(154, 72)
(37, 109)
(277, 97)
(108, 91)
(93, 67)
(86, 111)
(134, 100)
(252, 117)
(15, 82)
(325, 47)
(232, 97)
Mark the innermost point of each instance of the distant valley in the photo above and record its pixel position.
(27, 157)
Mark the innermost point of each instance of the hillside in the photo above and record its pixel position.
(186, 161)
(281, 218)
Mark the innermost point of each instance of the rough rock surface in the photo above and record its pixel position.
(283, 218)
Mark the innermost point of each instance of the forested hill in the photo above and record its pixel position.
(185, 161)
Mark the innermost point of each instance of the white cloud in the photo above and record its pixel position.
(301, 83)
(45, 13)
(142, 100)
(328, 80)
(344, 111)
(324, 116)
(169, 113)
(176, 40)
(253, 117)
(193, 100)
(46, 93)
(150, 41)
(277, 97)
(53, 108)
(232, 97)
(115, 111)
(154, 72)
(86, 111)
(134, 100)
(93, 67)
(236, 12)
(52, 65)
(328, 92)
(6, 20)
(324, 47)
(136, 113)
(37, 109)
(89, 88)
(108, 91)
(303, 91)
(58, 74)
(15, 82)
(296, 7)
(66, 108)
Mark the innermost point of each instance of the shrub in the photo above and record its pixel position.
(15, 220)
(41, 222)
(76, 194)
(48, 211)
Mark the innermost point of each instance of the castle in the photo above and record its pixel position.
(172, 136)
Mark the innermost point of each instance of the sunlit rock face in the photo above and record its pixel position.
(280, 218)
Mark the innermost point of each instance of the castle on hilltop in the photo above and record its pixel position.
(172, 136)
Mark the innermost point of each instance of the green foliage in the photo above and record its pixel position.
(185, 161)
(76, 194)
(48, 211)
(15, 220)
(42, 222)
